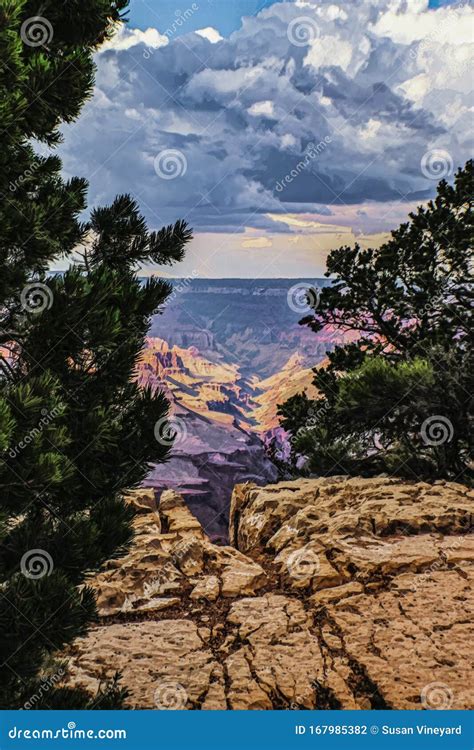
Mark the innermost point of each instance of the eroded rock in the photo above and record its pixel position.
(338, 593)
(170, 556)
(164, 664)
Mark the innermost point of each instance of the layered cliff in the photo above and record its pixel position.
(223, 422)
(336, 593)
(227, 353)
(248, 323)
(215, 446)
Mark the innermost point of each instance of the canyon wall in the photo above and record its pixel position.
(227, 353)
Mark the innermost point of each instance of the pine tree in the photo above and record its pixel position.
(399, 399)
(75, 429)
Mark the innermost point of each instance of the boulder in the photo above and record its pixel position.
(336, 593)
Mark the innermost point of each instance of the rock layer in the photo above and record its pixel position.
(336, 593)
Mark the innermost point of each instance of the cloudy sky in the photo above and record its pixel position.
(278, 130)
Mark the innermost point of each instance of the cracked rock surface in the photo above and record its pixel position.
(335, 593)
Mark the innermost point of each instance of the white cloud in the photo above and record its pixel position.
(416, 88)
(332, 12)
(257, 242)
(288, 140)
(211, 34)
(304, 223)
(126, 38)
(222, 80)
(329, 50)
(405, 23)
(265, 109)
(370, 130)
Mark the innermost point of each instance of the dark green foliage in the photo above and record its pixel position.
(75, 429)
(399, 399)
(42, 86)
(46, 68)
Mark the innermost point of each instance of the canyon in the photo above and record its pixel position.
(243, 590)
(227, 353)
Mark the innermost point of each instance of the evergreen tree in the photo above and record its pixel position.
(75, 429)
(399, 398)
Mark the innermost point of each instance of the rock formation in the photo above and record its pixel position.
(335, 593)
(234, 350)
(215, 448)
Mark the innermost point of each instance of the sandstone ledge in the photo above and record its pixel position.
(336, 593)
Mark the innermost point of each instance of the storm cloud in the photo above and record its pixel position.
(306, 108)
